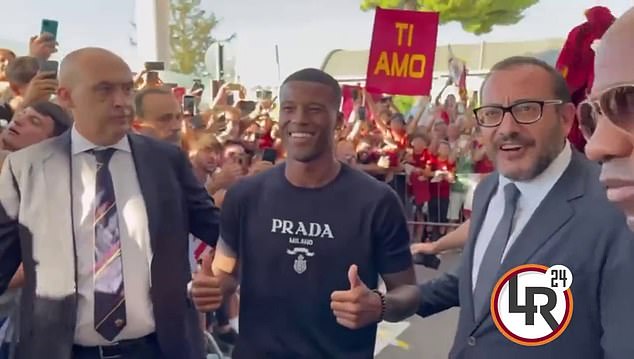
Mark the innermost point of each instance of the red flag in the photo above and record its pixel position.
(576, 60)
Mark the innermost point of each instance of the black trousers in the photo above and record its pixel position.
(142, 348)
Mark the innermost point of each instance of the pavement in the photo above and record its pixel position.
(419, 338)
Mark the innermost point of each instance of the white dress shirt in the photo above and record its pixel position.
(532, 193)
(134, 236)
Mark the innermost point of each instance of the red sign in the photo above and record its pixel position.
(402, 53)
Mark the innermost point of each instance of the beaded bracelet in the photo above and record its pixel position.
(383, 305)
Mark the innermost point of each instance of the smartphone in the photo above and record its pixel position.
(269, 155)
(189, 104)
(246, 107)
(49, 27)
(355, 94)
(49, 66)
(362, 114)
(155, 66)
(264, 94)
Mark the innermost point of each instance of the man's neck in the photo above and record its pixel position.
(315, 174)
(96, 139)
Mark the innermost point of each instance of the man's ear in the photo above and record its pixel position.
(567, 112)
(64, 99)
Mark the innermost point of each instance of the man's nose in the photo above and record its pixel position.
(608, 141)
(508, 124)
(122, 98)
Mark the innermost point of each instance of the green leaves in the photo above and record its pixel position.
(476, 16)
(190, 36)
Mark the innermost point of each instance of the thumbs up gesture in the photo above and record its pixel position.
(206, 290)
(358, 306)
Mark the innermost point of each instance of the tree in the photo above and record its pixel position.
(476, 16)
(190, 36)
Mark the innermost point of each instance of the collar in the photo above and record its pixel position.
(80, 144)
(542, 184)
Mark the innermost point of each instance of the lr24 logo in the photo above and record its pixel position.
(532, 304)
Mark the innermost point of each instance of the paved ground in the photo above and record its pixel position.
(428, 338)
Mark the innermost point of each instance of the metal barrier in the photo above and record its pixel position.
(435, 224)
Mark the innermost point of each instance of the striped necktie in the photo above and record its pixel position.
(110, 314)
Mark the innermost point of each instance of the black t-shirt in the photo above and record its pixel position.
(295, 246)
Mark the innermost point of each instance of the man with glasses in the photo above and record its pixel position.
(543, 205)
(607, 118)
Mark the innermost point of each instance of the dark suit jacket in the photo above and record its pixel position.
(575, 226)
(35, 185)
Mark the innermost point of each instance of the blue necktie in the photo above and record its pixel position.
(110, 315)
(492, 259)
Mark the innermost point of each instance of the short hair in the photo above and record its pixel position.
(22, 70)
(7, 51)
(140, 97)
(61, 120)
(320, 77)
(559, 85)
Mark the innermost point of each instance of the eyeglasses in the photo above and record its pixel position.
(615, 103)
(524, 112)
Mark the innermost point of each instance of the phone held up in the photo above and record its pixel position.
(49, 66)
(155, 66)
(49, 27)
(189, 104)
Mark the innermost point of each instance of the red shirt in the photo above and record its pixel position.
(484, 165)
(266, 141)
(420, 188)
(441, 189)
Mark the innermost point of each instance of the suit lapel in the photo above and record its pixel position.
(489, 186)
(148, 181)
(550, 216)
(57, 168)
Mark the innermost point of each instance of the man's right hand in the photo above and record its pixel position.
(206, 290)
(41, 87)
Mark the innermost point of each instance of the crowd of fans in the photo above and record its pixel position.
(432, 156)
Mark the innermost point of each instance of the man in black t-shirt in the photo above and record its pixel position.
(310, 239)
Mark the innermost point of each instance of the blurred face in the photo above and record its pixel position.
(443, 150)
(27, 128)
(207, 159)
(418, 144)
(612, 141)
(450, 102)
(397, 125)
(523, 151)
(162, 113)
(308, 117)
(99, 94)
(453, 132)
(5, 58)
(440, 129)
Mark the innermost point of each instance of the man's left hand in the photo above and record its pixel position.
(357, 307)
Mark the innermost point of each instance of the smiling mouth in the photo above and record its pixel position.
(510, 147)
(300, 134)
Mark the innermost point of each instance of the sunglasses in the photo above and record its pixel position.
(616, 104)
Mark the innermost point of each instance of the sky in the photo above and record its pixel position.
(305, 30)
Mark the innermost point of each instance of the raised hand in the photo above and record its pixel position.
(358, 306)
